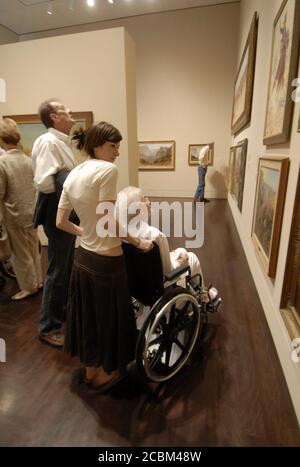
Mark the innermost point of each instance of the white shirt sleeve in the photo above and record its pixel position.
(108, 190)
(64, 202)
(45, 165)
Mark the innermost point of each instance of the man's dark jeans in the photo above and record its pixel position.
(60, 261)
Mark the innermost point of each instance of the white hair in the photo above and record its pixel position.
(126, 197)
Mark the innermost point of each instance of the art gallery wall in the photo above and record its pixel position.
(92, 71)
(185, 74)
(269, 289)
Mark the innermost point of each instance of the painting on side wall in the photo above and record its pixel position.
(240, 158)
(157, 155)
(290, 299)
(31, 127)
(283, 70)
(243, 86)
(231, 169)
(268, 209)
(299, 123)
(194, 151)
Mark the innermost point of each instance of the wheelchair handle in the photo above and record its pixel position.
(177, 272)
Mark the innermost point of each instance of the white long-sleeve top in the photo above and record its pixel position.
(51, 153)
(168, 259)
(203, 155)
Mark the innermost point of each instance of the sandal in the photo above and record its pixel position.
(80, 375)
(103, 388)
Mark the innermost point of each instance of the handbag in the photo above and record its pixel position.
(5, 249)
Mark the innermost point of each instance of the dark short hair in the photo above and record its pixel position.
(9, 131)
(96, 135)
(45, 109)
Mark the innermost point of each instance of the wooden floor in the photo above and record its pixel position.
(236, 396)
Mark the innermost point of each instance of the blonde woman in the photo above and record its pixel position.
(17, 202)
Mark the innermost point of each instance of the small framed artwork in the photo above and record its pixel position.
(268, 209)
(243, 86)
(31, 127)
(231, 169)
(157, 155)
(299, 123)
(284, 59)
(194, 151)
(238, 178)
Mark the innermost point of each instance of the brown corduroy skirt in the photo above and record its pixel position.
(100, 327)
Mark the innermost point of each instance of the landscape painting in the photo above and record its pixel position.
(157, 155)
(268, 210)
(194, 152)
(239, 169)
(243, 86)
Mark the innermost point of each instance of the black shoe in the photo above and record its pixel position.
(203, 200)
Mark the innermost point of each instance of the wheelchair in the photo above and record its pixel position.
(170, 317)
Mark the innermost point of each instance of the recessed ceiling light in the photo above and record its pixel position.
(110, 1)
(90, 2)
(50, 8)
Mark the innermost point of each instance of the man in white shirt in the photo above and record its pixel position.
(52, 154)
(202, 169)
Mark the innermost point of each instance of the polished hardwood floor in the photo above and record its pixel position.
(235, 395)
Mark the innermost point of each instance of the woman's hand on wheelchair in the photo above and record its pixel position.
(145, 245)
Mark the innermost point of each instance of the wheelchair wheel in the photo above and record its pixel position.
(168, 335)
(7, 269)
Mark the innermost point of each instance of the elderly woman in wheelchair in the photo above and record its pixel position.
(174, 301)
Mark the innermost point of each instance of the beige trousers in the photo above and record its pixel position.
(25, 258)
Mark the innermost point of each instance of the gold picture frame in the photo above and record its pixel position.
(230, 169)
(283, 69)
(194, 150)
(31, 127)
(268, 209)
(156, 155)
(239, 171)
(243, 86)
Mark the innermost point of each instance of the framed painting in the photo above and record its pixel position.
(268, 209)
(243, 86)
(31, 127)
(194, 151)
(230, 169)
(238, 173)
(157, 155)
(299, 123)
(290, 299)
(283, 69)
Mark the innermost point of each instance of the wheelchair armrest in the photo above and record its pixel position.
(177, 272)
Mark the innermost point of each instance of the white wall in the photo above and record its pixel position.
(89, 72)
(185, 73)
(269, 289)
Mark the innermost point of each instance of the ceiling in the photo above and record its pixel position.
(26, 16)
